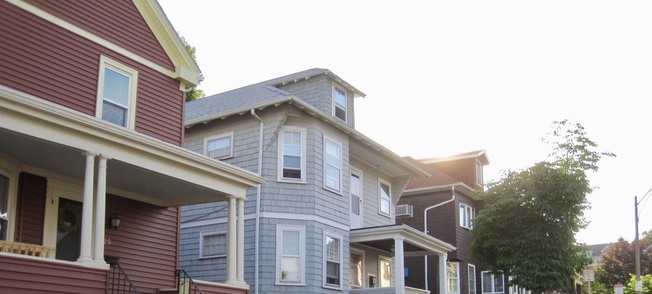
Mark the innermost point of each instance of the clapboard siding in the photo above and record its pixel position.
(66, 66)
(145, 243)
(116, 21)
(52, 277)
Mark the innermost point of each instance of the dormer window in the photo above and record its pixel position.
(339, 103)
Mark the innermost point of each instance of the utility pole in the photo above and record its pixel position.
(637, 249)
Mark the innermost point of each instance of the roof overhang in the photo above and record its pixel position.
(416, 243)
(359, 148)
(460, 187)
(44, 136)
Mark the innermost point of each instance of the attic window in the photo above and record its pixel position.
(116, 98)
(339, 103)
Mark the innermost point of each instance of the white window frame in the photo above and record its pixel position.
(453, 280)
(380, 198)
(228, 136)
(12, 193)
(336, 105)
(493, 279)
(302, 254)
(362, 268)
(472, 279)
(327, 165)
(478, 172)
(467, 214)
(340, 262)
(302, 160)
(203, 235)
(133, 89)
(390, 271)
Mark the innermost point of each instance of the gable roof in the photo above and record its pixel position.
(437, 180)
(479, 154)
(262, 95)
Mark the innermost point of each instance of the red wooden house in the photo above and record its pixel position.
(92, 174)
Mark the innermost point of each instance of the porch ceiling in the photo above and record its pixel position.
(52, 140)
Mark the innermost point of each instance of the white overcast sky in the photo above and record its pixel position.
(447, 77)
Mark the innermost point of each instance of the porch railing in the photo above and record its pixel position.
(185, 284)
(119, 281)
(27, 249)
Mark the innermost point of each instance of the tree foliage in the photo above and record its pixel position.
(527, 228)
(618, 261)
(194, 93)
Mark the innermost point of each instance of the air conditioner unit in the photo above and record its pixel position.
(404, 210)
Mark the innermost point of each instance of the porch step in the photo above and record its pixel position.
(167, 291)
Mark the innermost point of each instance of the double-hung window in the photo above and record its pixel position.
(333, 261)
(339, 103)
(466, 216)
(471, 279)
(290, 255)
(220, 146)
(292, 154)
(332, 165)
(453, 282)
(116, 101)
(384, 198)
(212, 244)
(492, 283)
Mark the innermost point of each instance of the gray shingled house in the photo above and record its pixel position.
(324, 222)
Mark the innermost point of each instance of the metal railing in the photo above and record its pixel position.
(185, 284)
(118, 279)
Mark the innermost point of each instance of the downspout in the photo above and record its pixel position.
(425, 230)
(258, 187)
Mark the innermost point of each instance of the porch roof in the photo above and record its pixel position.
(416, 243)
(46, 137)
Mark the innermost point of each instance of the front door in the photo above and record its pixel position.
(356, 200)
(69, 229)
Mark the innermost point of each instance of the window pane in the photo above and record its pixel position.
(332, 273)
(4, 203)
(385, 273)
(332, 249)
(291, 243)
(384, 198)
(290, 269)
(114, 113)
(218, 148)
(356, 270)
(487, 282)
(498, 283)
(116, 87)
(214, 245)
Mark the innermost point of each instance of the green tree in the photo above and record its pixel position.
(527, 228)
(618, 261)
(194, 93)
(630, 288)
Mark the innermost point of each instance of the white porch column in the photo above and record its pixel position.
(399, 265)
(443, 272)
(100, 211)
(87, 212)
(231, 235)
(240, 249)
